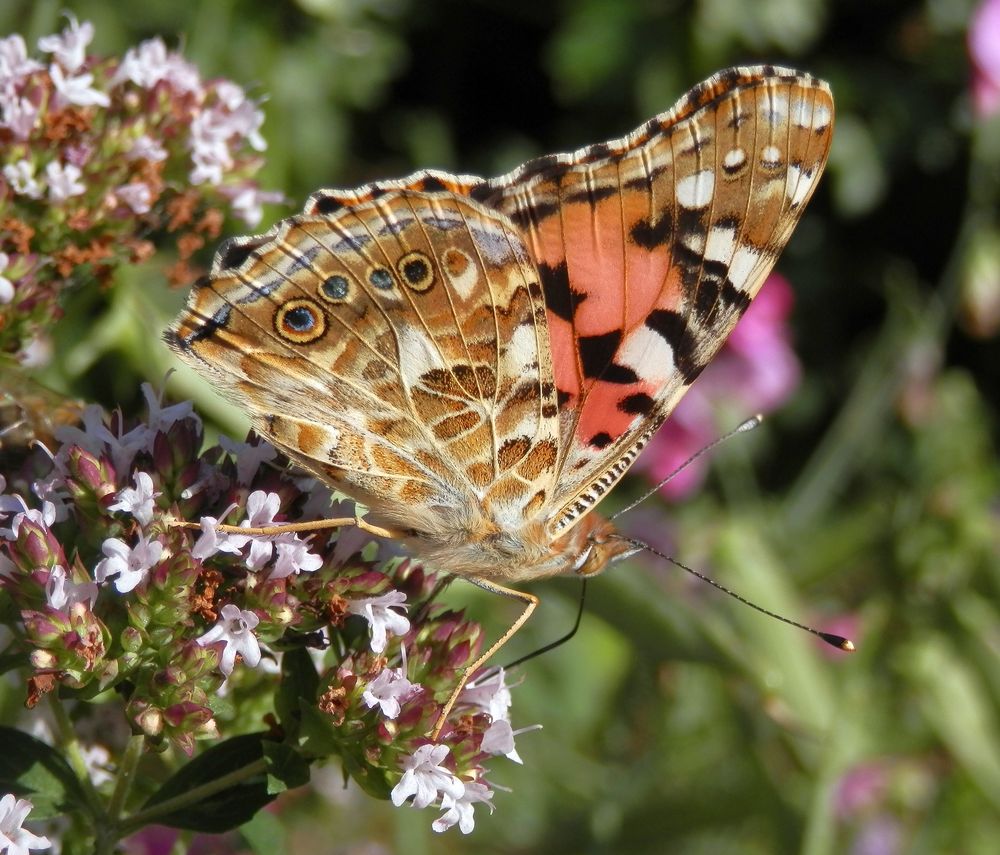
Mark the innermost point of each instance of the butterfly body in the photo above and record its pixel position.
(479, 361)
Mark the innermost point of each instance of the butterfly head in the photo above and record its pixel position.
(596, 544)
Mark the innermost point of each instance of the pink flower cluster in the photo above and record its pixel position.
(984, 51)
(96, 153)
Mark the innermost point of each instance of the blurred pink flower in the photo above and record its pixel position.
(984, 52)
(860, 790)
(756, 371)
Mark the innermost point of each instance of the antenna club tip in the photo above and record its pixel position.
(751, 423)
(838, 641)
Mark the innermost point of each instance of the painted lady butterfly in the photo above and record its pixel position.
(479, 361)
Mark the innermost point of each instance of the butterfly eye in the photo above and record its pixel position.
(300, 321)
(335, 288)
(416, 270)
(381, 278)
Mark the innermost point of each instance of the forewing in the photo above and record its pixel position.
(650, 249)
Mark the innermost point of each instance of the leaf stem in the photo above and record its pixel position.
(192, 796)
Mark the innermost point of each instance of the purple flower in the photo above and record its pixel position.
(235, 629)
(212, 542)
(389, 691)
(69, 46)
(860, 790)
(64, 181)
(460, 810)
(19, 115)
(881, 835)
(136, 195)
(151, 63)
(424, 778)
(137, 501)
(246, 202)
(293, 556)
(77, 90)
(984, 51)
(378, 611)
(160, 418)
(146, 148)
(14, 62)
(248, 457)
(130, 564)
(62, 593)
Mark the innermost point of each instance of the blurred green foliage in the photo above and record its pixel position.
(679, 721)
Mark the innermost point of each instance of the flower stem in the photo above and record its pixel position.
(74, 755)
(126, 774)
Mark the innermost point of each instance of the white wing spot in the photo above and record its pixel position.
(798, 183)
(695, 191)
(647, 352)
(721, 244)
(734, 159)
(775, 109)
(770, 157)
(461, 270)
(821, 117)
(417, 356)
(745, 261)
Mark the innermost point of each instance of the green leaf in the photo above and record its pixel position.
(233, 805)
(286, 768)
(36, 771)
(299, 681)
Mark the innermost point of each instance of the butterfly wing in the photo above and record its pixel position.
(650, 249)
(396, 347)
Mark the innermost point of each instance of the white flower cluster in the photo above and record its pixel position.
(222, 120)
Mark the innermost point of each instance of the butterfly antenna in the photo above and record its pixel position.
(746, 426)
(837, 641)
(552, 645)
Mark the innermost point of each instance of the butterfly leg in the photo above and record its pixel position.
(529, 601)
(282, 528)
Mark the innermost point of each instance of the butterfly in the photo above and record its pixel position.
(479, 361)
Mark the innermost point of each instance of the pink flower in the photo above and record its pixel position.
(14, 62)
(136, 195)
(235, 628)
(19, 115)
(77, 90)
(137, 501)
(62, 592)
(756, 371)
(64, 181)
(130, 564)
(146, 148)
(14, 839)
(389, 691)
(984, 52)
(248, 201)
(69, 46)
(20, 175)
(424, 778)
(380, 614)
(459, 811)
(151, 62)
